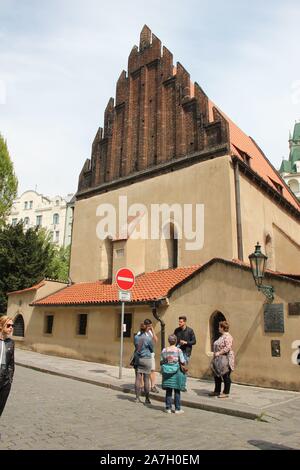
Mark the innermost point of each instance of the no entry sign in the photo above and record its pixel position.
(125, 279)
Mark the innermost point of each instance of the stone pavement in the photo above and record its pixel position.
(245, 401)
(50, 412)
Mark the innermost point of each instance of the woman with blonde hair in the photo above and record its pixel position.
(7, 359)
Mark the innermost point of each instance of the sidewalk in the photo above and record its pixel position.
(245, 401)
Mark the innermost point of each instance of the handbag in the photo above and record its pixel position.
(184, 369)
(220, 365)
(132, 360)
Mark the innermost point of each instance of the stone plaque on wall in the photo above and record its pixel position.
(273, 318)
(275, 348)
(294, 308)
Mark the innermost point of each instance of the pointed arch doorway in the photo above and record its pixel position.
(215, 319)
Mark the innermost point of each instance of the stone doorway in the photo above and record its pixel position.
(215, 319)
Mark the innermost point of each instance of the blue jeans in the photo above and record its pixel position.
(169, 398)
(186, 358)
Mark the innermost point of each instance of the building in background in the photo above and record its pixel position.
(54, 214)
(290, 169)
(167, 149)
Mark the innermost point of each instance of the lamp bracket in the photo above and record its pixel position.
(268, 291)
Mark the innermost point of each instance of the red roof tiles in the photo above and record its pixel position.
(148, 287)
(239, 141)
(35, 287)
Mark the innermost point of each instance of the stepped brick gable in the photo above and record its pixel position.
(158, 115)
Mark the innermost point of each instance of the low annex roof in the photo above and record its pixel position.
(148, 287)
(35, 287)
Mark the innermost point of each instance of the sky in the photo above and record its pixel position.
(60, 60)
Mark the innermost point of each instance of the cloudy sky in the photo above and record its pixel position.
(60, 59)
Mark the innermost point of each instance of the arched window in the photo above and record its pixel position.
(55, 219)
(169, 247)
(19, 326)
(26, 221)
(106, 259)
(215, 319)
(294, 185)
(269, 251)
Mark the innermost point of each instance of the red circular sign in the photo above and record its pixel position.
(125, 279)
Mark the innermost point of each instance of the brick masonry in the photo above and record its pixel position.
(158, 116)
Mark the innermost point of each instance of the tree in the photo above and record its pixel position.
(59, 266)
(8, 182)
(26, 257)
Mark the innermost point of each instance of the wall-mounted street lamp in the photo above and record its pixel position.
(258, 266)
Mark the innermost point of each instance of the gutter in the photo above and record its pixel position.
(238, 211)
(154, 306)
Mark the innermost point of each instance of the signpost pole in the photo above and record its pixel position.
(122, 337)
(125, 282)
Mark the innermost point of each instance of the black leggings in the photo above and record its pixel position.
(4, 392)
(227, 383)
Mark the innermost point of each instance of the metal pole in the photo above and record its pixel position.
(121, 345)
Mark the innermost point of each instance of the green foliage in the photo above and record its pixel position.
(26, 257)
(8, 182)
(59, 266)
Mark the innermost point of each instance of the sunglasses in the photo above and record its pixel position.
(10, 325)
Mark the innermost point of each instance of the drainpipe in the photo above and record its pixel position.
(238, 211)
(162, 323)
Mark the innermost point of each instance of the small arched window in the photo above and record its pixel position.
(19, 326)
(55, 219)
(294, 185)
(169, 246)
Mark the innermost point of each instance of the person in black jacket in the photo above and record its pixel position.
(185, 338)
(7, 359)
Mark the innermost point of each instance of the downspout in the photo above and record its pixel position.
(238, 210)
(162, 323)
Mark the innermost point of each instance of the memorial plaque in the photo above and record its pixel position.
(275, 348)
(294, 308)
(273, 318)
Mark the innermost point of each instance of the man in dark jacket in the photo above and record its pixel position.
(185, 338)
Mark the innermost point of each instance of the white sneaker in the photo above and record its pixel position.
(179, 412)
(168, 411)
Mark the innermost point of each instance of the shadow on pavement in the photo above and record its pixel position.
(264, 445)
(132, 399)
(203, 392)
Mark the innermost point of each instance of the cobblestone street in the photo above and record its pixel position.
(50, 412)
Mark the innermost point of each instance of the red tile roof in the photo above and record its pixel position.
(148, 287)
(259, 162)
(35, 287)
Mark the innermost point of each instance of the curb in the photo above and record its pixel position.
(241, 413)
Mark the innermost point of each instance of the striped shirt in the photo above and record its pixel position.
(172, 355)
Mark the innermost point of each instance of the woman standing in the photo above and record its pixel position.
(143, 362)
(7, 360)
(223, 361)
(172, 377)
